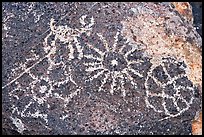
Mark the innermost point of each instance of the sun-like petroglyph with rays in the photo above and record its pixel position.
(98, 68)
(119, 68)
(118, 64)
(114, 65)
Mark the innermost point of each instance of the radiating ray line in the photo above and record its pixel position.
(91, 69)
(150, 105)
(71, 79)
(70, 96)
(47, 46)
(165, 71)
(187, 104)
(101, 53)
(98, 74)
(147, 100)
(121, 49)
(113, 84)
(155, 94)
(166, 111)
(123, 88)
(135, 62)
(171, 115)
(104, 41)
(135, 72)
(115, 41)
(175, 103)
(104, 80)
(177, 91)
(92, 64)
(162, 95)
(90, 56)
(25, 108)
(130, 51)
(79, 48)
(155, 80)
(130, 77)
(175, 78)
(184, 87)
(71, 52)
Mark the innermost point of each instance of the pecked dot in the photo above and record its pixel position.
(114, 61)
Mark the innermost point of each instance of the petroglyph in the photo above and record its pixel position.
(116, 69)
(114, 66)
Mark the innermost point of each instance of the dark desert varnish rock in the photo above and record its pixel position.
(99, 68)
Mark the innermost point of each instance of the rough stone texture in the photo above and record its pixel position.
(99, 68)
(197, 125)
(197, 15)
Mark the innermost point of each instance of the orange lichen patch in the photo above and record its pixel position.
(197, 125)
(184, 9)
(159, 43)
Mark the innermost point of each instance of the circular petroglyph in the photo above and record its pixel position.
(114, 65)
(49, 82)
(95, 74)
(114, 61)
(168, 89)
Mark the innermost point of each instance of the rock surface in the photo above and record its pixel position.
(197, 15)
(99, 68)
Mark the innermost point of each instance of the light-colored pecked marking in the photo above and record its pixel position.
(92, 65)
(163, 95)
